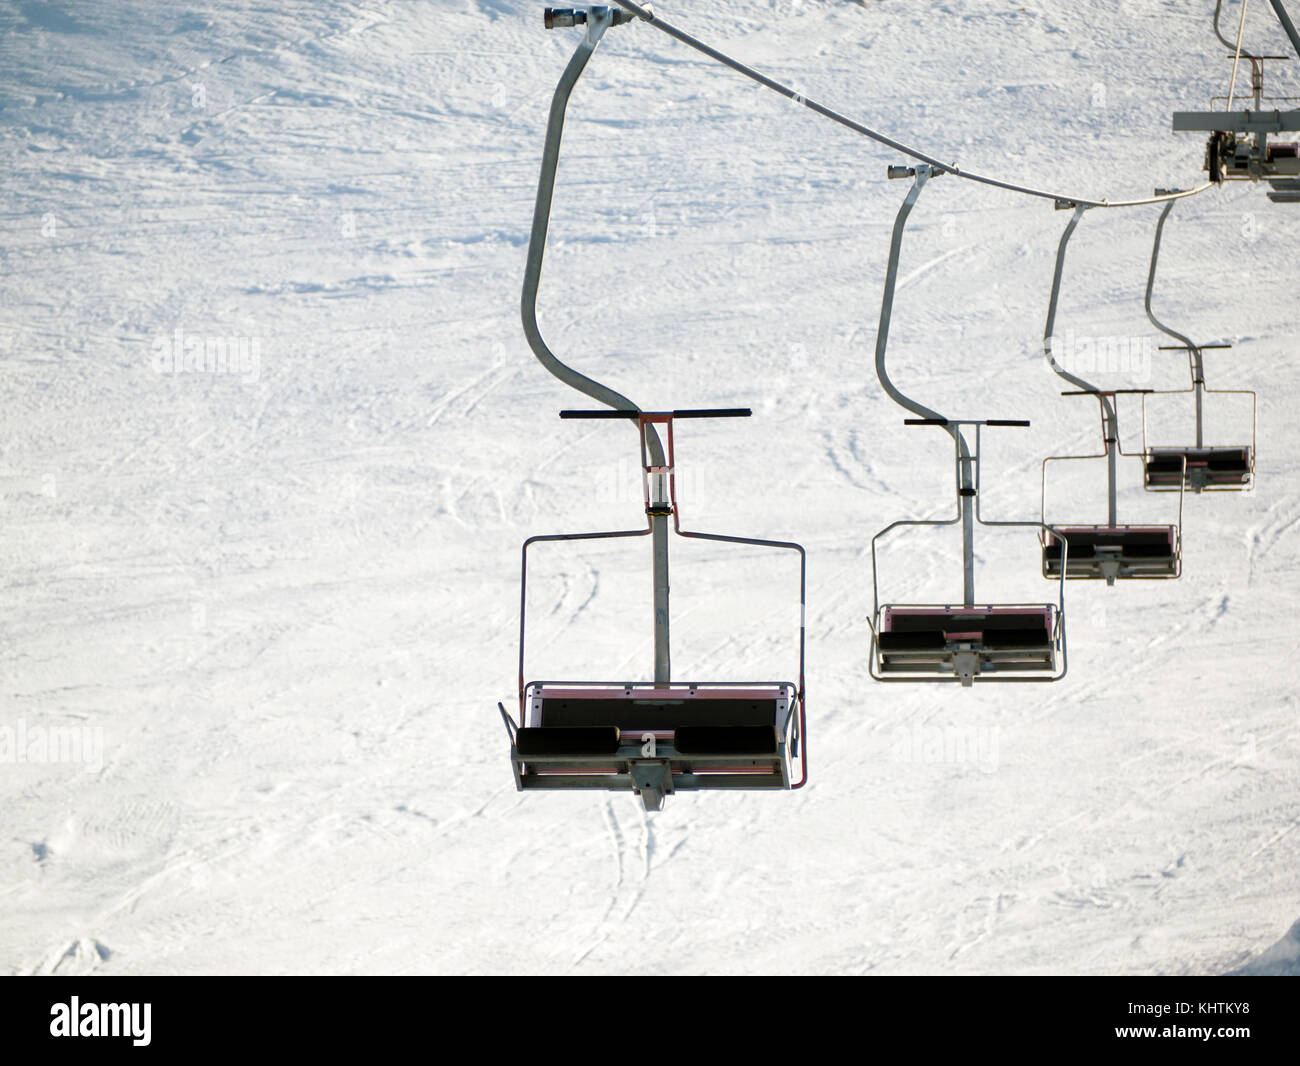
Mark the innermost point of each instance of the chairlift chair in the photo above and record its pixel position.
(971, 641)
(1238, 148)
(1197, 467)
(1110, 551)
(661, 736)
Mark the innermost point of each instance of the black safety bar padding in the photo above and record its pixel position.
(702, 412)
(1172, 458)
(1107, 392)
(634, 715)
(950, 422)
(1183, 347)
(973, 618)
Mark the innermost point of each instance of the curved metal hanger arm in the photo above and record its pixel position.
(598, 21)
(1193, 351)
(1181, 338)
(1109, 418)
(1049, 330)
(1231, 45)
(923, 174)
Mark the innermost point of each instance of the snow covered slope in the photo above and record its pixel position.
(276, 605)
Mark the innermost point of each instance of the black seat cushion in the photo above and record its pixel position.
(1160, 550)
(1229, 464)
(1164, 467)
(1144, 538)
(916, 640)
(1015, 639)
(725, 740)
(1052, 550)
(1163, 462)
(566, 740)
(1089, 543)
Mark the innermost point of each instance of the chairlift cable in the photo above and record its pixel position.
(647, 15)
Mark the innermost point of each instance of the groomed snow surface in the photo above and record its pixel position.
(275, 607)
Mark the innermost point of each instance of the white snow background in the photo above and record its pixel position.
(285, 600)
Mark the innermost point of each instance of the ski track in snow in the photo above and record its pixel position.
(287, 600)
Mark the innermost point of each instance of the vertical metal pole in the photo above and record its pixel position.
(663, 661)
(1198, 387)
(1112, 454)
(967, 497)
(659, 540)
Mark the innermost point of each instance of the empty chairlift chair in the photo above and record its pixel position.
(966, 642)
(662, 736)
(658, 736)
(1194, 466)
(654, 739)
(1200, 469)
(970, 641)
(1108, 551)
